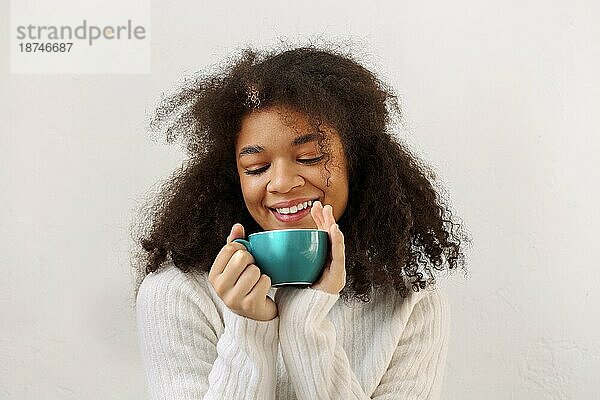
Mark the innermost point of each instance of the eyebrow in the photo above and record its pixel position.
(298, 141)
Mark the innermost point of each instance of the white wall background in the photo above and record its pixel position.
(501, 98)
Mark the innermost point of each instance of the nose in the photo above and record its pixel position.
(284, 177)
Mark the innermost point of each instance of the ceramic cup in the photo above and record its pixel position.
(293, 257)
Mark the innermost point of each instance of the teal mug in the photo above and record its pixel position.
(293, 257)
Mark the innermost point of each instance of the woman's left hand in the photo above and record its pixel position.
(333, 278)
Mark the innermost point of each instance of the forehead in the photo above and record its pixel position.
(274, 124)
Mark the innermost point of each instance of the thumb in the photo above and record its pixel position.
(237, 232)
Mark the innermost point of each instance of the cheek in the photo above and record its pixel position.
(339, 175)
(339, 185)
(251, 190)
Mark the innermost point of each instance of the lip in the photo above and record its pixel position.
(290, 203)
(291, 217)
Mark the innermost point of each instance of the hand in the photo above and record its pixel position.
(239, 282)
(333, 279)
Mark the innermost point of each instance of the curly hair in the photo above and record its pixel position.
(399, 233)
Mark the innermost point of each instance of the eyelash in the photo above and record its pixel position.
(263, 169)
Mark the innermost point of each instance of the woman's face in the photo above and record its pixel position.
(280, 167)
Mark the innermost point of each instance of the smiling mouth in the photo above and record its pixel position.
(287, 218)
(289, 210)
(292, 216)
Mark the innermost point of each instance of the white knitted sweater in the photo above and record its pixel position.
(194, 347)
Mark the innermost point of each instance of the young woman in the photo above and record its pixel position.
(294, 139)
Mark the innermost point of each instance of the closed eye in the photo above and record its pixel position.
(311, 160)
(307, 161)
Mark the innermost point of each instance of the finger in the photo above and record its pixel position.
(237, 232)
(328, 216)
(222, 258)
(247, 280)
(316, 212)
(230, 236)
(234, 268)
(261, 288)
(338, 253)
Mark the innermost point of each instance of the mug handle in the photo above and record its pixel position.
(245, 243)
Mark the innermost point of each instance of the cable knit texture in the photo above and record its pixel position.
(194, 347)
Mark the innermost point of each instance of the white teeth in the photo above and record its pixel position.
(294, 209)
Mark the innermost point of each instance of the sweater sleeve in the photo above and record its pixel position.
(318, 366)
(182, 355)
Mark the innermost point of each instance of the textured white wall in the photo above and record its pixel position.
(500, 97)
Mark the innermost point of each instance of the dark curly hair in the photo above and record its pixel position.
(397, 229)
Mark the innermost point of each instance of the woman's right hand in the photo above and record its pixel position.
(239, 282)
